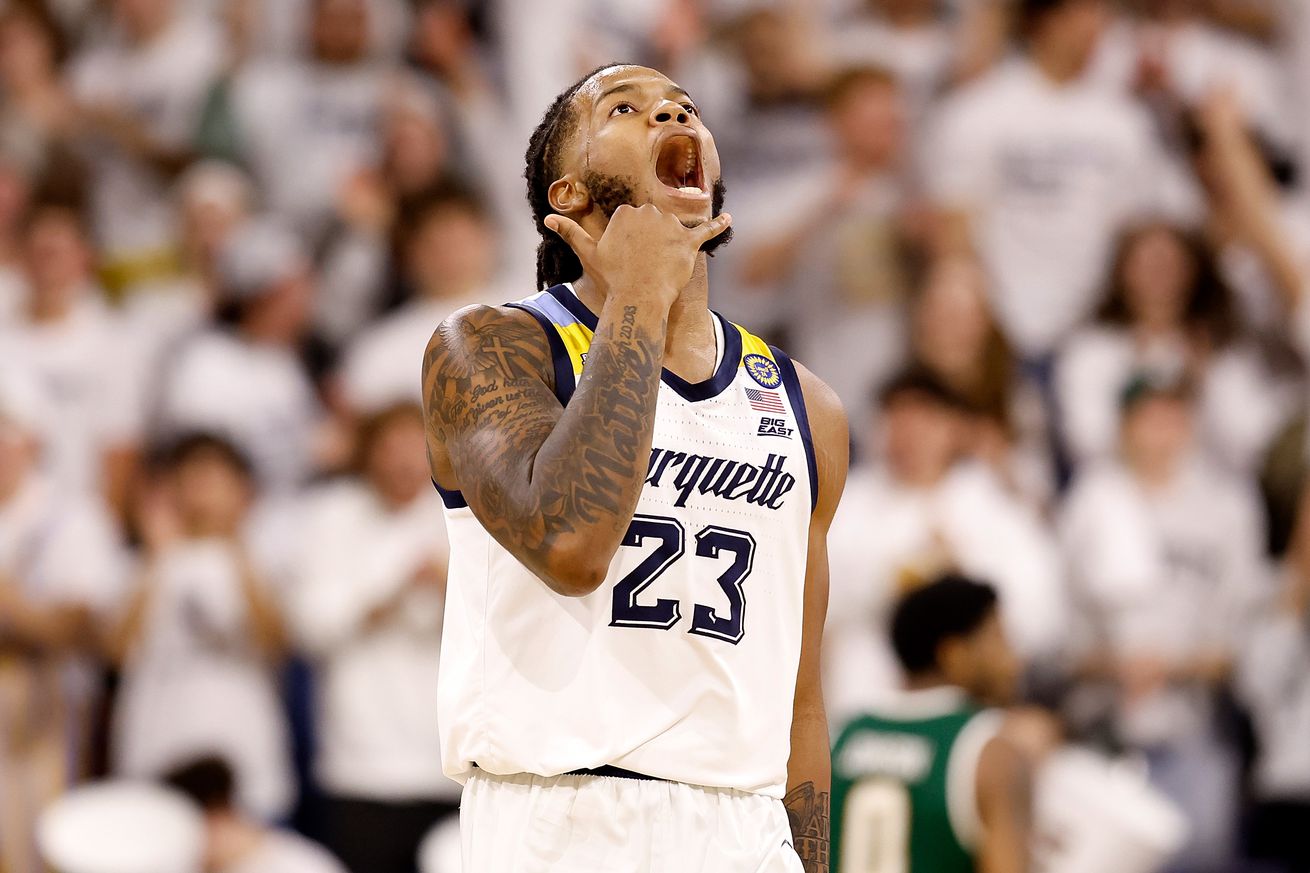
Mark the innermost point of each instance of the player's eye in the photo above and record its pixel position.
(623, 109)
(691, 107)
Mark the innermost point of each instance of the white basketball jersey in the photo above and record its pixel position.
(682, 664)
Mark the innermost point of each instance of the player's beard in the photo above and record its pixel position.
(611, 192)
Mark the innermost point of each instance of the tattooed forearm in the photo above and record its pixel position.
(546, 482)
(807, 811)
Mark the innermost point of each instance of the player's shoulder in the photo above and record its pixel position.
(829, 432)
(479, 329)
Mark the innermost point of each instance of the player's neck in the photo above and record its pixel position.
(689, 347)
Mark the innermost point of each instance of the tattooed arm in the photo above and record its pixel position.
(557, 487)
(809, 771)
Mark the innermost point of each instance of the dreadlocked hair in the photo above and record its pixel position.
(556, 262)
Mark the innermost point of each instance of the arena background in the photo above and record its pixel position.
(1073, 233)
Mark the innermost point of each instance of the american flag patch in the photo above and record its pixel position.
(765, 401)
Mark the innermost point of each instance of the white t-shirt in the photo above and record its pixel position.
(383, 365)
(1172, 573)
(259, 396)
(305, 128)
(286, 852)
(885, 535)
(195, 684)
(377, 685)
(162, 85)
(1049, 174)
(87, 396)
(1239, 408)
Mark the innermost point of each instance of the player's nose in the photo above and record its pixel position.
(668, 112)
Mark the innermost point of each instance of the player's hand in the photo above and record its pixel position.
(643, 250)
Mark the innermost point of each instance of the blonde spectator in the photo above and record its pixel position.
(201, 637)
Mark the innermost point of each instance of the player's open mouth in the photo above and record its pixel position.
(678, 165)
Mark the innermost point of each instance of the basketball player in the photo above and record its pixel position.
(638, 493)
(930, 781)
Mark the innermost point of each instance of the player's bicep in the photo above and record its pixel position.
(1004, 794)
(488, 409)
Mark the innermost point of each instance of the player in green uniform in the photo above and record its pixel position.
(930, 782)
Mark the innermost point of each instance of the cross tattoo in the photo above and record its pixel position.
(502, 353)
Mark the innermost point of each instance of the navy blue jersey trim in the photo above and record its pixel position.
(692, 391)
(564, 381)
(451, 499)
(793, 386)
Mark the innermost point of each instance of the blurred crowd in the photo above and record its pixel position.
(1052, 254)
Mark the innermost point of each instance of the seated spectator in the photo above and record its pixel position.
(233, 841)
(1168, 313)
(925, 508)
(835, 258)
(954, 337)
(1273, 681)
(245, 379)
(1038, 171)
(1166, 551)
(140, 88)
(367, 606)
(60, 575)
(68, 339)
(449, 251)
(201, 637)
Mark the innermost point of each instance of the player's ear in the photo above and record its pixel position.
(568, 196)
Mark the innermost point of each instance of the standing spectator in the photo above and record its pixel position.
(1167, 552)
(233, 841)
(201, 636)
(449, 250)
(368, 606)
(68, 339)
(954, 337)
(1273, 679)
(245, 379)
(925, 509)
(60, 573)
(836, 255)
(141, 89)
(307, 124)
(1039, 169)
(1168, 313)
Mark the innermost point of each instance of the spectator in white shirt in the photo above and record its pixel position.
(367, 605)
(60, 575)
(141, 90)
(926, 508)
(68, 339)
(1167, 558)
(201, 638)
(1038, 170)
(306, 125)
(246, 379)
(1168, 313)
(233, 841)
(448, 246)
(834, 260)
(1273, 681)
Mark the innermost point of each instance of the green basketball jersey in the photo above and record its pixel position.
(903, 785)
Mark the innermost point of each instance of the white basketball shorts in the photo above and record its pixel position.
(608, 824)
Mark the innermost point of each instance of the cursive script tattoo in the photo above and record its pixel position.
(807, 812)
(544, 481)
